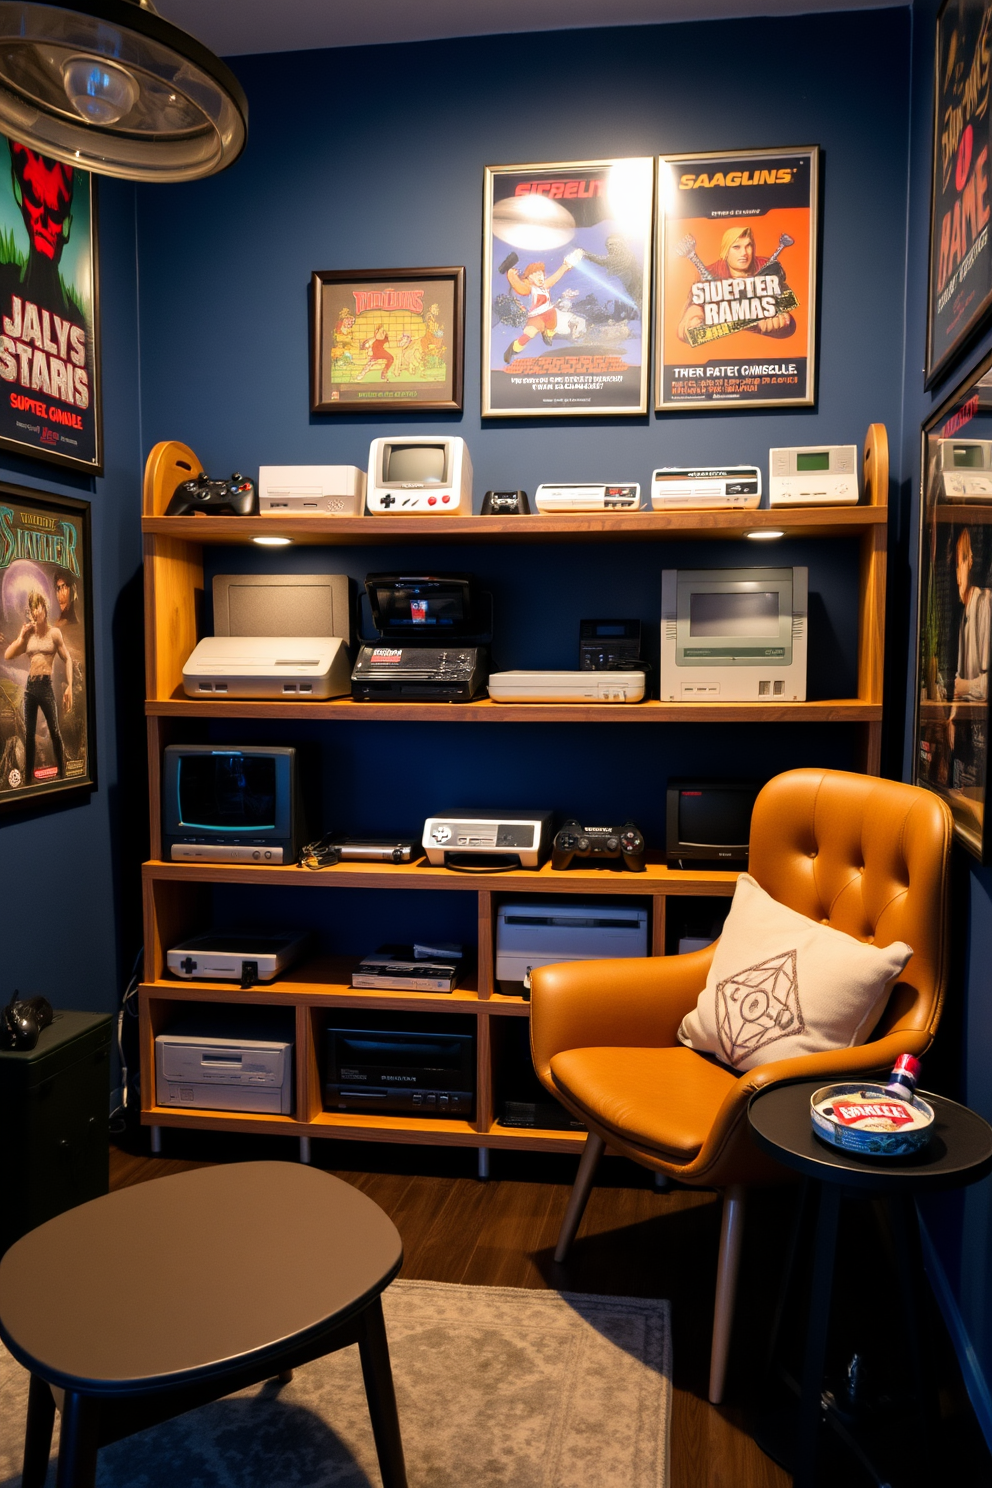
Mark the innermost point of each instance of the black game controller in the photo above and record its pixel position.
(235, 497)
(505, 504)
(22, 1022)
(576, 841)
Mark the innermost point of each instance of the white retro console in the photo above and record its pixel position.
(813, 475)
(419, 475)
(315, 667)
(311, 490)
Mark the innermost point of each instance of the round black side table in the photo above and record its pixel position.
(959, 1152)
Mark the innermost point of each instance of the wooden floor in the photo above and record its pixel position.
(633, 1241)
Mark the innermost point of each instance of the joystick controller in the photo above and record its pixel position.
(235, 497)
(610, 843)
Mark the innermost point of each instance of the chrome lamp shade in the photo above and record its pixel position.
(109, 86)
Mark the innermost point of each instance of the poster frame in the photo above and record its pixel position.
(977, 843)
(642, 407)
(936, 371)
(741, 157)
(56, 457)
(384, 278)
(62, 792)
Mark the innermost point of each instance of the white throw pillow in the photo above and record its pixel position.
(780, 985)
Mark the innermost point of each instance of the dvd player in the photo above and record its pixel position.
(399, 1070)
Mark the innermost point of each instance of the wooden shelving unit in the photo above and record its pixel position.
(177, 896)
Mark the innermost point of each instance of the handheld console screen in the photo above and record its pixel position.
(404, 604)
(419, 464)
(734, 614)
(227, 792)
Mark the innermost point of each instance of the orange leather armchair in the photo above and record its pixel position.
(867, 856)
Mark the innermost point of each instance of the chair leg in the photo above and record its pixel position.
(731, 1234)
(588, 1163)
(38, 1435)
(78, 1442)
(381, 1397)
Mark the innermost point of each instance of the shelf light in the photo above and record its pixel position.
(757, 534)
(272, 542)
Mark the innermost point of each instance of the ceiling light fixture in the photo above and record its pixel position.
(764, 534)
(111, 87)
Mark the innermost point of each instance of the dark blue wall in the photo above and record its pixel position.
(961, 1229)
(393, 176)
(69, 885)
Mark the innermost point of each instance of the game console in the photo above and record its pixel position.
(813, 475)
(707, 488)
(600, 844)
(415, 615)
(208, 1072)
(284, 604)
(399, 1064)
(965, 469)
(399, 968)
(311, 490)
(301, 668)
(587, 497)
(376, 849)
(226, 498)
(419, 475)
(567, 687)
(733, 634)
(500, 840)
(529, 935)
(244, 958)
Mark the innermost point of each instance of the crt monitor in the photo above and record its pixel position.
(231, 803)
(419, 475)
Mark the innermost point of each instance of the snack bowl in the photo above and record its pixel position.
(862, 1118)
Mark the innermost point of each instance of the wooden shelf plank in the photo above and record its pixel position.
(322, 981)
(656, 878)
(849, 521)
(484, 710)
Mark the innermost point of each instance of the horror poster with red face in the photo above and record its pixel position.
(960, 252)
(49, 336)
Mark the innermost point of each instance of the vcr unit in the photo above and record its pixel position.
(412, 1066)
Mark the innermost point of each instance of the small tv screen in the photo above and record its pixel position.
(734, 612)
(715, 818)
(227, 792)
(420, 464)
(968, 456)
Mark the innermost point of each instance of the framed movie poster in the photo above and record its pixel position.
(387, 339)
(960, 288)
(736, 303)
(46, 647)
(50, 397)
(565, 291)
(955, 607)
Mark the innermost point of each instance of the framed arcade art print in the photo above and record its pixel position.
(736, 303)
(50, 392)
(566, 288)
(384, 340)
(960, 280)
(46, 648)
(955, 607)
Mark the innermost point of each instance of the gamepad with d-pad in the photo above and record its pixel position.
(235, 497)
(574, 840)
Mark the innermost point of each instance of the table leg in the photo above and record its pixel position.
(381, 1397)
(78, 1442)
(38, 1435)
(905, 1231)
(810, 1410)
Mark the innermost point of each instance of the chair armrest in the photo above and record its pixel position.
(635, 1003)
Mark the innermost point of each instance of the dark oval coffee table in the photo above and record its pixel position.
(959, 1152)
(149, 1301)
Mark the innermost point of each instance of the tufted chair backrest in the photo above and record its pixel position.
(869, 857)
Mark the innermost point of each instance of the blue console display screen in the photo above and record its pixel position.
(227, 792)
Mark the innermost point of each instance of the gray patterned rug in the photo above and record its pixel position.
(498, 1387)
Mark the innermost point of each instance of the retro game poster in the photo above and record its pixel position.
(736, 304)
(49, 336)
(387, 339)
(960, 253)
(955, 608)
(46, 712)
(566, 287)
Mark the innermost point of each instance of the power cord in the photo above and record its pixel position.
(118, 1116)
